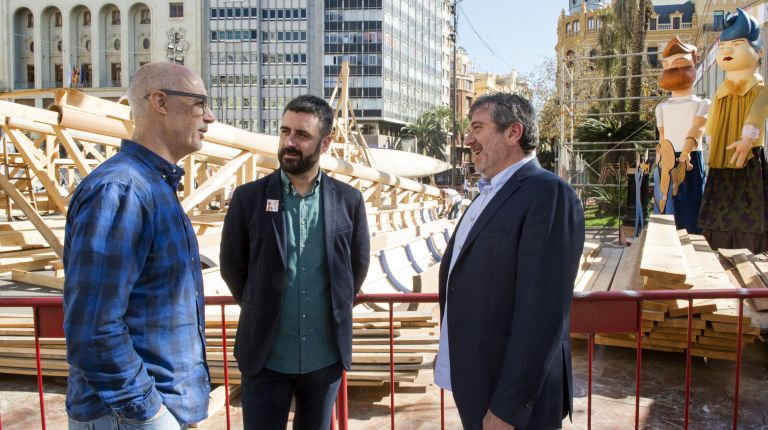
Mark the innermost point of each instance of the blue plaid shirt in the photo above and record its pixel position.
(133, 294)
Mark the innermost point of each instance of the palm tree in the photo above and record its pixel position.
(430, 132)
(614, 38)
(640, 28)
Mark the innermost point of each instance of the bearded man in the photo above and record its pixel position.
(680, 120)
(294, 253)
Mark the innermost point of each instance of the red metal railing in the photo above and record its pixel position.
(591, 312)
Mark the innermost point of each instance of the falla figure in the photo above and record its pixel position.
(733, 211)
(679, 173)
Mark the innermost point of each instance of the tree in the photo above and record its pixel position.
(430, 131)
(614, 38)
(639, 30)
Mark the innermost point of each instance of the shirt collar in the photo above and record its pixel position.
(740, 88)
(288, 186)
(502, 177)
(170, 172)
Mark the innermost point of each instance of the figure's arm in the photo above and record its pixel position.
(750, 132)
(361, 245)
(549, 250)
(692, 140)
(109, 239)
(235, 248)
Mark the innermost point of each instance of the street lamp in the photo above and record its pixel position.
(454, 106)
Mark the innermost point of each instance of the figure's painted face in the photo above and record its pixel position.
(677, 60)
(679, 72)
(737, 54)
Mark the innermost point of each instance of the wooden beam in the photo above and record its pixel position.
(215, 182)
(75, 154)
(33, 216)
(29, 153)
(36, 278)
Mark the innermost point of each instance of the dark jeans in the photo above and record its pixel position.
(266, 399)
(454, 213)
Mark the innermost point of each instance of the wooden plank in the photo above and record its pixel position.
(612, 255)
(679, 308)
(734, 328)
(712, 353)
(32, 215)
(654, 306)
(628, 272)
(719, 341)
(662, 255)
(40, 279)
(682, 323)
(730, 316)
(653, 315)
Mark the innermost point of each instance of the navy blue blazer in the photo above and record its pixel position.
(509, 297)
(253, 259)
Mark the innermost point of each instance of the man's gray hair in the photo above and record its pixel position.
(506, 109)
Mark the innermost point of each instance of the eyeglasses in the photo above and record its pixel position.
(203, 104)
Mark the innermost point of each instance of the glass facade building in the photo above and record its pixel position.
(262, 53)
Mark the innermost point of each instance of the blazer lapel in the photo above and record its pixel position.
(328, 193)
(275, 192)
(512, 185)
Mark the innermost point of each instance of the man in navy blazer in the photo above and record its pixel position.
(294, 253)
(506, 280)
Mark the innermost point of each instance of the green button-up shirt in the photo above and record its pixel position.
(305, 339)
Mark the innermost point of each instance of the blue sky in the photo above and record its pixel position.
(521, 33)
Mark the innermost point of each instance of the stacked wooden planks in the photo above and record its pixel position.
(675, 260)
(415, 345)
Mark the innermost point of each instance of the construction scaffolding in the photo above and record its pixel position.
(602, 169)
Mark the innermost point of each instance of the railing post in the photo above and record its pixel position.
(738, 366)
(638, 361)
(226, 364)
(591, 347)
(688, 365)
(442, 409)
(341, 402)
(36, 322)
(392, 364)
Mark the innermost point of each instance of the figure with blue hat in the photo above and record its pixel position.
(734, 208)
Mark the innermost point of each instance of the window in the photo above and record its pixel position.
(88, 45)
(116, 74)
(145, 43)
(718, 20)
(117, 44)
(676, 22)
(176, 10)
(58, 72)
(59, 46)
(576, 26)
(145, 17)
(86, 72)
(30, 20)
(86, 18)
(30, 73)
(653, 58)
(590, 23)
(57, 19)
(115, 17)
(652, 24)
(567, 28)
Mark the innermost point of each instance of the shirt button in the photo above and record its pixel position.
(303, 338)
(302, 269)
(303, 315)
(303, 291)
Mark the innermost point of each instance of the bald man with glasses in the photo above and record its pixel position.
(133, 294)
